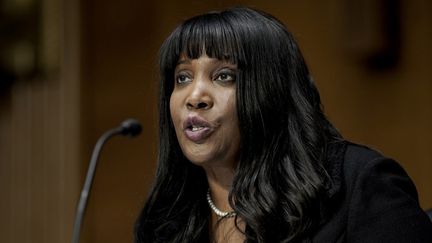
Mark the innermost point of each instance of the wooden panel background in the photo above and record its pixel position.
(40, 139)
(109, 72)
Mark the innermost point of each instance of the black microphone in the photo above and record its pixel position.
(129, 127)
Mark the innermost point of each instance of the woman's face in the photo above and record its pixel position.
(203, 110)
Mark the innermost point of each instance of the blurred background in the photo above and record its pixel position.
(71, 69)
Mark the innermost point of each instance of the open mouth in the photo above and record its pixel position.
(197, 128)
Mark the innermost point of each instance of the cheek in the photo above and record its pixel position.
(174, 111)
(171, 107)
(230, 108)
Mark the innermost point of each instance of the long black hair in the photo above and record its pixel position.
(280, 180)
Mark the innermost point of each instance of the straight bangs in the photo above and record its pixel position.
(211, 34)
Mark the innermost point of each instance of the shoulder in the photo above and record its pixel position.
(345, 162)
(358, 152)
(367, 171)
(357, 156)
(360, 160)
(382, 200)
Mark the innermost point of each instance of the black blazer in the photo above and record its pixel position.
(371, 199)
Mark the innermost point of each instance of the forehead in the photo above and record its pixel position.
(203, 61)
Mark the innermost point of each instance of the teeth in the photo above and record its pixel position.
(194, 129)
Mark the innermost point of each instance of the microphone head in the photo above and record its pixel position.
(131, 127)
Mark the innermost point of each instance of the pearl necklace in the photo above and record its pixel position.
(217, 211)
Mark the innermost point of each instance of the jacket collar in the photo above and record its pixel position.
(333, 165)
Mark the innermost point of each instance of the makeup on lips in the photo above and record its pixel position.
(197, 128)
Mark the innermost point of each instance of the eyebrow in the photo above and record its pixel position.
(184, 61)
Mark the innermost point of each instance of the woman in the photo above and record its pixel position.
(247, 155)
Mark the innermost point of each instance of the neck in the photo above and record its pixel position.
(220, 182)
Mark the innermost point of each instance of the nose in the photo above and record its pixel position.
(200, 96)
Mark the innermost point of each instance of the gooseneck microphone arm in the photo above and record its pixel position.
(131, 128)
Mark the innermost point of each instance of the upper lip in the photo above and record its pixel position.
(195, 120)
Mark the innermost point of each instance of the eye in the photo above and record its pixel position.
(182, 78)
(226, 76)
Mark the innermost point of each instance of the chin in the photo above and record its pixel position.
(199, 159)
